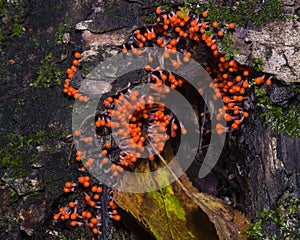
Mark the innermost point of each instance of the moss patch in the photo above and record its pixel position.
(284, 216)
(243, 13)
(19, 152)
(282, 120)
(48, 74)
(14, 14)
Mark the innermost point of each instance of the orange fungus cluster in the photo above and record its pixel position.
(69, 90)
(89, 205)
(182, 32)
(140, 119)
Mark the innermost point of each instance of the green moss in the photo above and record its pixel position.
(257, 63)
(243, 13)
(17, 29)
(48, 73)
(284, 217)
(282, 120)
(2, 7)
(150, 20)
(226, 44)
(61, 29)
(85, 70)
(165, 4)
(20, 151)
(36, 41)
(12, 192)
(13, 12)
(11, 155)
(194, 6)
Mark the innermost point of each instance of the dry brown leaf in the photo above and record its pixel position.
(180, 212)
